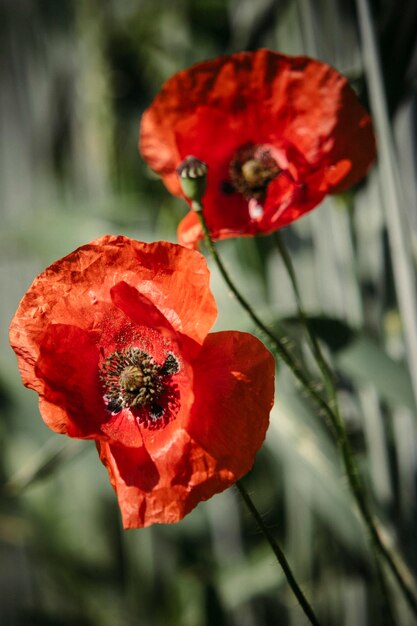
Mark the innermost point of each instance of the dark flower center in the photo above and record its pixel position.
(251, 170)
(132, 379)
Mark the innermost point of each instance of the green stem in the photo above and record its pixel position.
(276, 344)
(314, 345)
(349, 459)
(305, 605)
(397, 566)
(385, 603)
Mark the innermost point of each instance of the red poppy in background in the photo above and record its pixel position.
(113, 337)
(277, 133)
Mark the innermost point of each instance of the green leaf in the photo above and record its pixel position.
(366, 362)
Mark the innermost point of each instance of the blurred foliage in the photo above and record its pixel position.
(75, 77)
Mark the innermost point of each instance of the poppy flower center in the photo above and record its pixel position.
(251, 170)
(132, 379)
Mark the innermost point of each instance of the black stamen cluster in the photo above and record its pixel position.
(132, 379)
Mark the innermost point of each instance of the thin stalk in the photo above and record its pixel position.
(395, 563)
(385, 606)
(332, 395)
(314, 345)
(392, 558)
(305, 605)
(354, 477)
(276, 344)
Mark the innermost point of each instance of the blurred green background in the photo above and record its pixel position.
(75, 77)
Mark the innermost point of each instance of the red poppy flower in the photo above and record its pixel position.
(113, 337)
(277, 133)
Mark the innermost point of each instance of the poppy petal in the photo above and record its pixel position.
(74, 289)
(234, 387)
(67, 376)
(162, 489)
(139, 308)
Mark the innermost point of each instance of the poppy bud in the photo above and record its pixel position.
(193, 175)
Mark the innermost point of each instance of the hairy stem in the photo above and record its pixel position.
(305, 605)
(349, 459)
(314, 345)
(393, 560)
(275, 343)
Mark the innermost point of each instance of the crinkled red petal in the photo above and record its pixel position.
(142, 312)
(211, 445)
(152, 492)
(68, 382)
(234, 392)
(61, 360)
(139, 308)
(72, 291)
